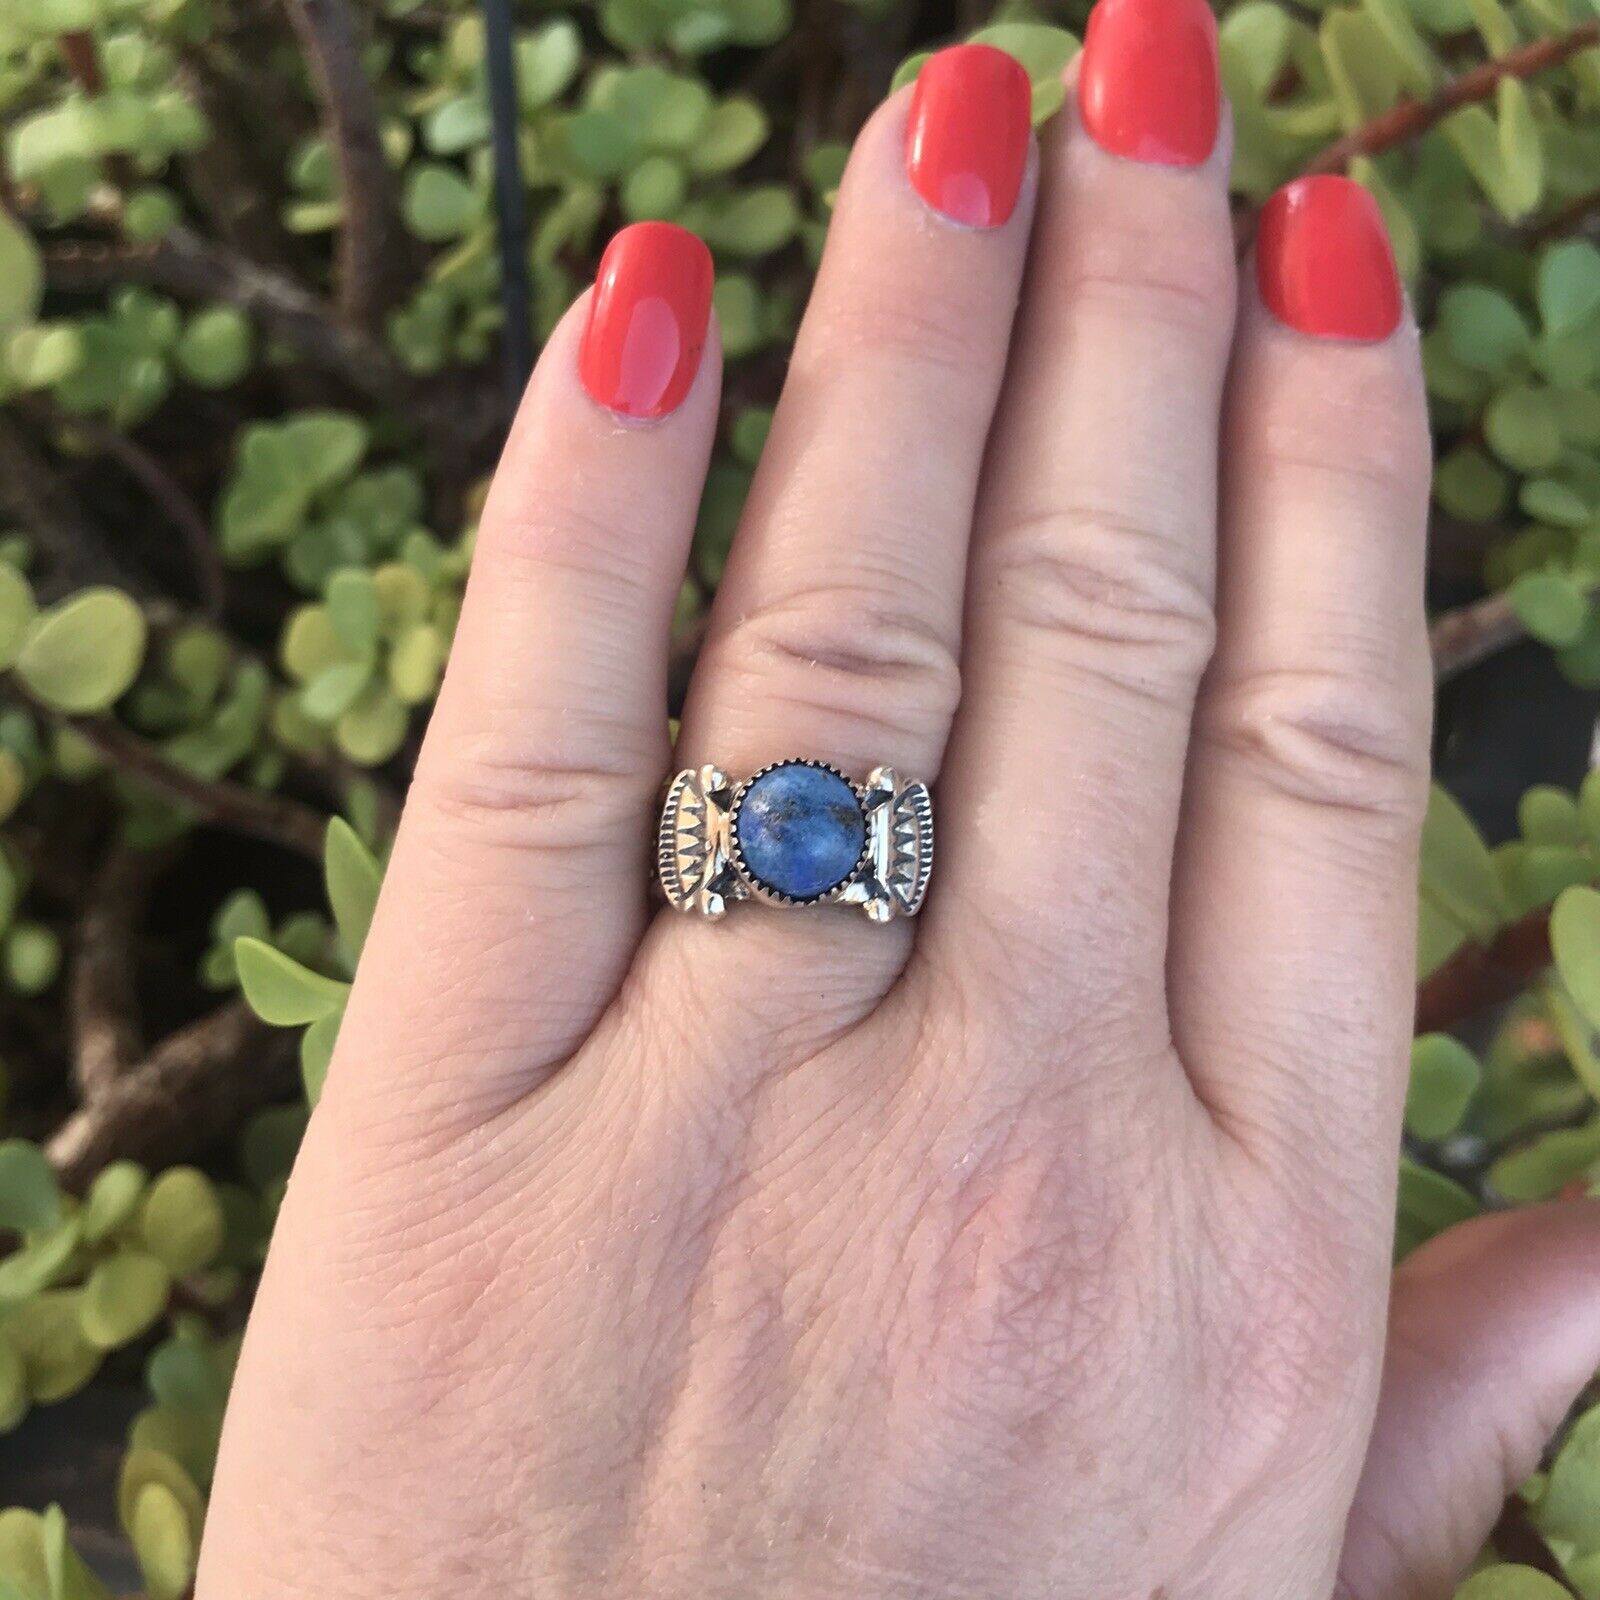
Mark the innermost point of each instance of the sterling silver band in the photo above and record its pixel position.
(787, 835)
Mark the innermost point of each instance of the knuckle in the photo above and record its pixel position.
(1110, 593)
(928, 335)
(1134, 262)
(848, 653)
(523, 792)
(1358, 421)
(1329, 737)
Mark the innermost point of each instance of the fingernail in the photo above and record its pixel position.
(967, 136)
(1148, 86)
(647, 320)
(1324, 263)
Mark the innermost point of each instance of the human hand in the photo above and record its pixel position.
(1036, 1247)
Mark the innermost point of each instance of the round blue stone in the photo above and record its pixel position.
(800, 830)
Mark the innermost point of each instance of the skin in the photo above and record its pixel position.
(1039, 1247)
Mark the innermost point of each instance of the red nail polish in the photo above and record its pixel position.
(967, 134)
(1148, 86)
(1323, 261)
(647, 320)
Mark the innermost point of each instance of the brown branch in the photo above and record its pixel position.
(184, 264)
(191, 1089)
(102, 999)
(273, 817)
(205, 556)
(375, 251)
(74, 548)
(82, 61)
(1564, 220)
(1410, 119)
(1478, 976)
(1469, 634)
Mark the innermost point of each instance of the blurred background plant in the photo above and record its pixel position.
(254, 347)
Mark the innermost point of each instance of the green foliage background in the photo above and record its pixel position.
(249, 321)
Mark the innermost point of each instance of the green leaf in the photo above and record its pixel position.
(216, 347)
(735, 130)
(374, 728)
(439, 203)
(1568, 286)
(1361, 71)
(656, 188)
(1444, 1078)
(113, 1199)
(163, 1541)
(353, 878)
(13, 1388)
(1459, 880)
(1470, 486)
(415, 664)
(1428, 1204)
(352, 599)
(181, 1221)
(1548, 815)
(83, 655)
(142, 1466)
(335, 689)
(1569, 1508)
(1511, 1583)
(1575, 943)
(1415, 63)
(48, 1335)
(1482, 328)
(21, 275)
(30, 1199)
(757, 222)
(547, 62)
(316, 1053)
(124, 1297)
(1523, 427)
(281, 991)
(1552, 607)
(1521, 148)
(1545, 1165)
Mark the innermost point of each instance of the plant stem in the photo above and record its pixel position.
(192, 1088)
(374, 247)
(1472, 633)
(273, 817)
(1410, 119)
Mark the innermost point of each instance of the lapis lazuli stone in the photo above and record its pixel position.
(801, 830)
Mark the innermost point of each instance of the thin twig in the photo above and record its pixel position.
(1469, 634)
(273, 817)
(374, 248)
(1410, 119)
(191, 1089)
(184, 264)
(103, 1002)
(205, 555)
(73, 546)
(1478, 976)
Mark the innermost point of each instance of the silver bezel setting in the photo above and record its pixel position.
(700, 865)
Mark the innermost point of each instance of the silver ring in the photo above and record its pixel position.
(796, 833)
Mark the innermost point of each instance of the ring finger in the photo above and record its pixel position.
(836, 631)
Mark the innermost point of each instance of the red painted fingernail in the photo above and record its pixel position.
(1149, 87)
(967, 135)
(1324, 263)
(647, 320)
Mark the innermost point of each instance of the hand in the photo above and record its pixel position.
(1036, 1247)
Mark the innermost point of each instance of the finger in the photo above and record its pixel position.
(836, 630)
(517, 889)
(1494, 1330)
(1090, 603)
(1291, 971)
